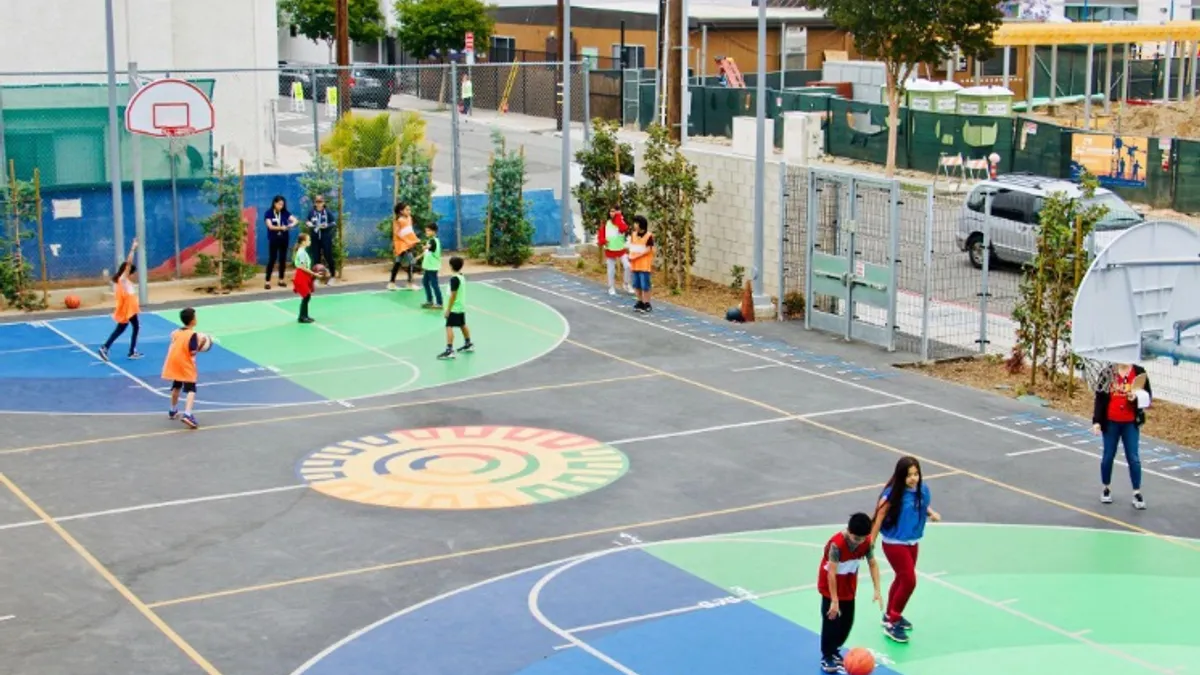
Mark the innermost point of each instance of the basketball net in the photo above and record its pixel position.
(176, 135)
(1097, 373)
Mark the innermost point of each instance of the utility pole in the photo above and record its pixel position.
(674, 56)
(343, 56)
(563, 69)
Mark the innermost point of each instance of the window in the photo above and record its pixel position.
(1196, 14)
(635, 56)
(994, 65)
(1101, 12)
(1014, 206)
(503, 50)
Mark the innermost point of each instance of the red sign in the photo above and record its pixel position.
(470, 42)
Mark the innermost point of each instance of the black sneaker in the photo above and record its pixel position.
(831, 665)
(446, 355)
(307, 319)
(467, 348)
(1106, 496)
(1139, 503)
(103, 351)
(895, 632)
(133, 356)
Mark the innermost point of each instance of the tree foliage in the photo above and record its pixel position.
(18, 202)
(670, 196)
(1048, 287)
(360, 141)
(317, 19)
(508, 239)
(413, 186)
(225, 224)
(905, 34)
(429, 27)
(604, 162)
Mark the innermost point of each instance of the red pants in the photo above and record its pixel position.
(903, 559)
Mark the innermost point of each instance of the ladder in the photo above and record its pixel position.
(508, 86)
(733, 76)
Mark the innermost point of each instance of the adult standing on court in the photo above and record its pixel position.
(1117, 416)
(279, 226)
(323, 226)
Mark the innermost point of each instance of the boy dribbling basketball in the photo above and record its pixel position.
(179, 367)
(837, 581)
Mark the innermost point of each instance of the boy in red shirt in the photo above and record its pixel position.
(837, 581)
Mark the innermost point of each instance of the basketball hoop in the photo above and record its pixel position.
(1096, 372)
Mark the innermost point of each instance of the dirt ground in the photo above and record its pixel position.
(1167, 421)
(1178, 119)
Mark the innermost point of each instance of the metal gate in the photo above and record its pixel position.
(852, 243)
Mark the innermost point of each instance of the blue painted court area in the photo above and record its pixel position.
(53, 367)
(579, 618)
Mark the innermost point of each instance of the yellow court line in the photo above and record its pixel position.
(327, 413)
(110, 578)
(528, 543)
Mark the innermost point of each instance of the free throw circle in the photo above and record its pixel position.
(478, 467)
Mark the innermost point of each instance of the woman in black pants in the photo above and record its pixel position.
(279, 225)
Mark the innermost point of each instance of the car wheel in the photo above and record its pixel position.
(975, 250)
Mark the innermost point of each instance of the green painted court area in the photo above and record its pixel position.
(372, 343)
(991, 600)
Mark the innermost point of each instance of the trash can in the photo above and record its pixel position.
(930, 96)
(988, 101)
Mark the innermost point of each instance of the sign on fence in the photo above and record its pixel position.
(1117, 161)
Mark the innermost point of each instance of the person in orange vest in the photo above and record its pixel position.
(404, 241)
(180, 366)
(641, 258)
(611, 238)
(126, 314)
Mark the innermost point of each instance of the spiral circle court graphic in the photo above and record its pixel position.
(478, 467)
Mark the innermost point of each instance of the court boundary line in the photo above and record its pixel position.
(497, 548)
(827, 376)
(351, 637)
(110, 578)
(188, 501)
(562, 338)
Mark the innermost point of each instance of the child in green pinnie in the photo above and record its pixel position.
(456, 311)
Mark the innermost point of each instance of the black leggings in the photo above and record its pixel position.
(133, 321)
(278, 251)
(835, 632)
(304, 306)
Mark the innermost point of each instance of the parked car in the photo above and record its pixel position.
(292, 71)
(371, 86)
(1017, 201)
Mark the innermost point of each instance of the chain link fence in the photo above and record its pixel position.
(271, 124)
(951, 299)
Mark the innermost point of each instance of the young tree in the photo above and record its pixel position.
(905, 34)
(440, 26)
(223, 192)
(603, 162)
(670, 196)
(508, 239)
(317, 20)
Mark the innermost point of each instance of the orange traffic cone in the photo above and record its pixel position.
(747, 303)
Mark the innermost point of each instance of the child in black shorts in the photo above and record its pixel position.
(456, 311)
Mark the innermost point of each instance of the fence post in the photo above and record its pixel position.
(927, 272)
(812, 203)
(850, 227)
(987, 260)
(139, 196)
(455, 158)
(783, 203)
(312, 77)
(3, 156)
(893, 262)
(587, 103)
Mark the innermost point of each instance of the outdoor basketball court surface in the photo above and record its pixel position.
(590, 492)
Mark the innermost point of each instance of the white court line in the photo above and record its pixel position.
(1021, 453)
(26, 350)
(158, 505)
(308, 665)
(827, 376)
(140, 382)
(296, 486)
(746, 370)
(6, 618)
(281, 375)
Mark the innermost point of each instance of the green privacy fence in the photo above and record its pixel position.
(859, 131)
(62, 129)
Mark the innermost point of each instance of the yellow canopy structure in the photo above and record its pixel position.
(1092, 33)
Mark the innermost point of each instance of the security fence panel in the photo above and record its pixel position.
(852, 256)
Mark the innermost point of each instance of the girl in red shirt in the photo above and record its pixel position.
(1117, 416)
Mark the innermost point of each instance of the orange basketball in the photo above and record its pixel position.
(72, 302)
(859, 661)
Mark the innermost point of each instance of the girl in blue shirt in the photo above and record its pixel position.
(900, 516)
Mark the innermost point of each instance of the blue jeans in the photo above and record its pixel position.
(432, 287)
(1127, 433)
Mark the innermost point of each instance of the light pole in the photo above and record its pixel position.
(114, 140)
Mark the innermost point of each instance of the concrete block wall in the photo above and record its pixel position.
(725, 224)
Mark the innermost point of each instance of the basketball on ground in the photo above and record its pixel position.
(72, 302)
(859, 661)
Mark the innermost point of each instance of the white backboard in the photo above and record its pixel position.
(169, 104)
(1136, 286)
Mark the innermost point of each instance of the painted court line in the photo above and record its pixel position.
(6, 618)
(1021, 453)
(296, 486)
(763, 367)
(139, 381)
(827, 376)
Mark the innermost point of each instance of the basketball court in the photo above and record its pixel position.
(591, 491)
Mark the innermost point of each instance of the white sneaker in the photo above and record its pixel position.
(1106, 496)
(391, 287)
(612, 291)
(629, 290)
(1139, 502)
(330, 282)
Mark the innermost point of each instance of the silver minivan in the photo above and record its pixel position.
(1016, 205)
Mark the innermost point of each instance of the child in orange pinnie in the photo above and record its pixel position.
(179, 368)
(641, 258)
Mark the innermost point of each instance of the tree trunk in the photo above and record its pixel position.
(893, 95)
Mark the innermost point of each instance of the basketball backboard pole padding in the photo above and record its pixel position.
(1130, 301)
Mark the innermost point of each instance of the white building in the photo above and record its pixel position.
(68, 36)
